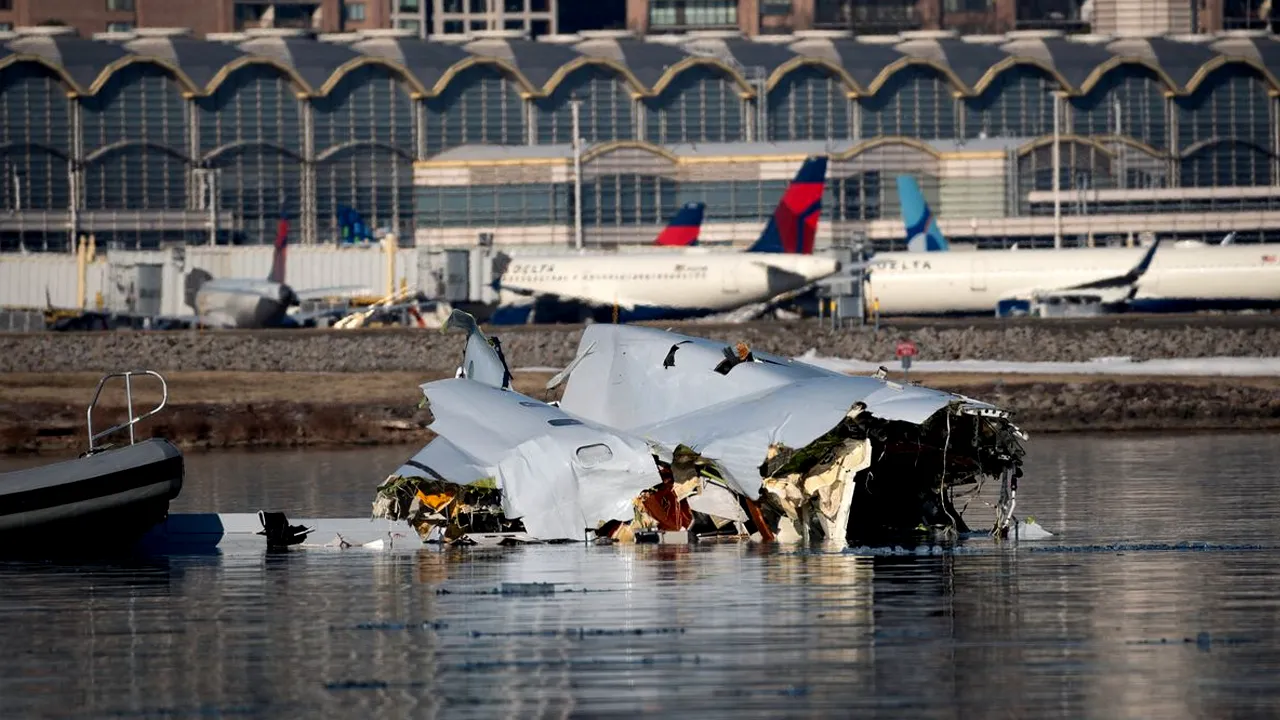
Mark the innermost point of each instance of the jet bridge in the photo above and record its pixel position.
(841, 298)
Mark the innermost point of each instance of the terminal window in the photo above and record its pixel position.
(693, 13)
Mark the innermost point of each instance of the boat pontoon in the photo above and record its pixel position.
(106, 499)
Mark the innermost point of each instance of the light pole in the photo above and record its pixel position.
(1057, 169)
(575, 102)
(17, 208)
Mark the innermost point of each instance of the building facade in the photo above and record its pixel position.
(202, 17)
(159, 136)
(879, 17)
(462, 17)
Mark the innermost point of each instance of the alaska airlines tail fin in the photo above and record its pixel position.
(684, 226)
(922, 227)
(282, 242)
(794, 224)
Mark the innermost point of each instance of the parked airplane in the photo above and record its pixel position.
(691, 283)
(1225, 277)
(250, 302)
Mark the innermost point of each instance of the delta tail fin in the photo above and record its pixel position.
(794, 224)
(282, 242)
(684, 227)
(923, 234)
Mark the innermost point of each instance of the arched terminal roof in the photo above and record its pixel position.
(648, 65)
(316, 63)
(428, 64)
(199, 60)
(80, 61)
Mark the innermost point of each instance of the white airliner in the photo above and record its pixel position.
(690, 282)
(254, 302)
(1181, 278)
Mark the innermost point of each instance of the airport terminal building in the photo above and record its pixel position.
(152, 137)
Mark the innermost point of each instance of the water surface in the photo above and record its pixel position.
(1156, 598)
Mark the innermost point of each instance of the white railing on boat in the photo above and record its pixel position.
(128, 391)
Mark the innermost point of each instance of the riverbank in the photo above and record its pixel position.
(393, 350)
(45, 412)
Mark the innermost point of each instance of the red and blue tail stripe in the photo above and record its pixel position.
(281, 247)
(794, 224)
(684, 226)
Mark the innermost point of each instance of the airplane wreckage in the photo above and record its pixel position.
(663, 437)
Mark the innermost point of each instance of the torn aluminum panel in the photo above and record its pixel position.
(482, 358)
(627, 381)
(556, 473)
(742, 410)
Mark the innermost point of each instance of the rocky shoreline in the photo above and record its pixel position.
(554, 346)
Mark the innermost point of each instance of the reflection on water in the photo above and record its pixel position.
(1097, 626)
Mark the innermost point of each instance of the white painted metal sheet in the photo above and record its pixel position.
(24, 280)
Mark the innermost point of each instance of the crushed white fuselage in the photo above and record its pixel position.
(658, 431)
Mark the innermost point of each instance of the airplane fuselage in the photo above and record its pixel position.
(1179, 279)
(660, 286)
(243, 303)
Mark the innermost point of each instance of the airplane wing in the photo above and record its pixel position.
(780, 271)
(1114, 289)
(587, 298)
(840, 276)
(337, 291)
(308, 316)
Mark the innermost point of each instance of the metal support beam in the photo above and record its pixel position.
(307, 205)
(77, 169)
(1057, 168)
(575, 103)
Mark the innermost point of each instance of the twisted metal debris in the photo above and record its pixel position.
(661, 436)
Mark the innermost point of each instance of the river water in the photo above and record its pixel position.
(1158, 596)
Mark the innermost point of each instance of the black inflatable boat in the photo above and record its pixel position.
(105, 500)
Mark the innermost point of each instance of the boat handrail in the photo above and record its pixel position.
(128, 390)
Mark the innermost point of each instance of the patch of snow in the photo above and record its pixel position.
(1212, 366)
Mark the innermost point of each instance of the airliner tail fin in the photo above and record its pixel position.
(794, 224)
(923, 234)
(282, 242)
(684, 227)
